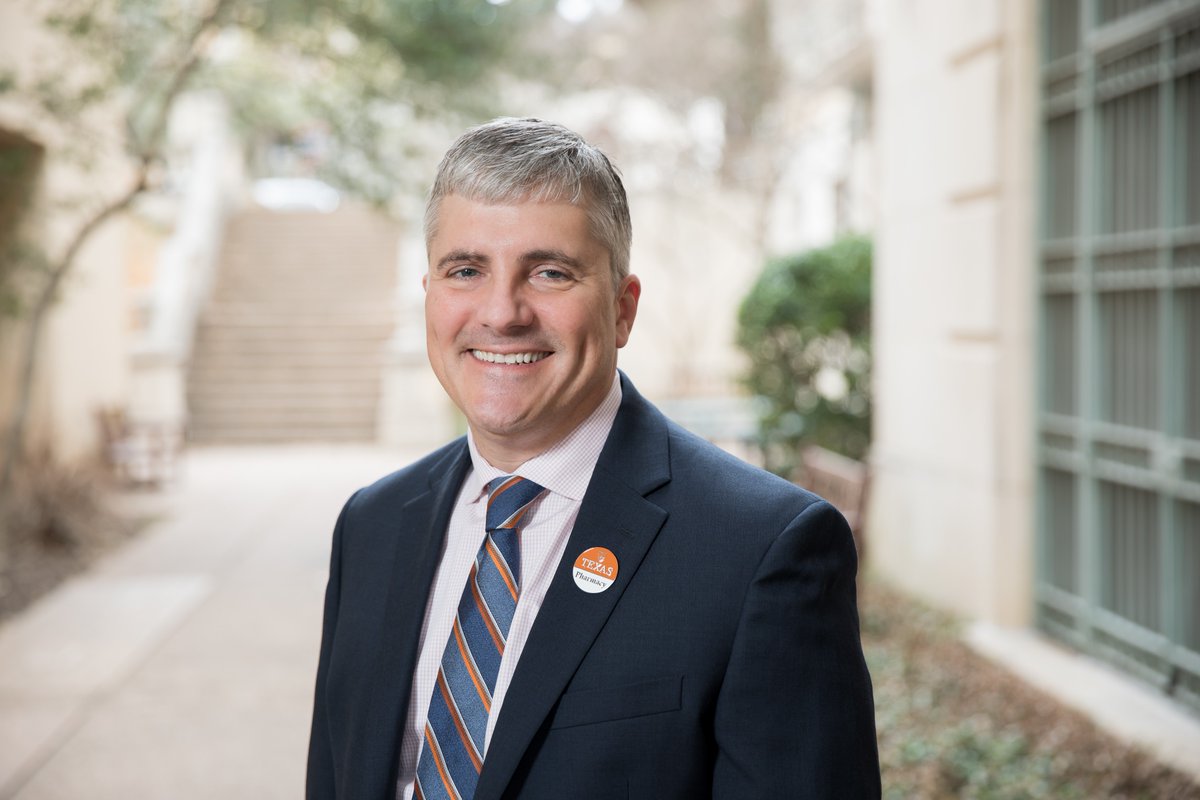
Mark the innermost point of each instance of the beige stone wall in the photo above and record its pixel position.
(82, 362)
(952, 506)
(696, 260)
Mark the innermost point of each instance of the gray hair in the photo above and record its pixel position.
(512, 160)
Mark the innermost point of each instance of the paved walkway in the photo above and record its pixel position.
(182, 666)
(1125, 708)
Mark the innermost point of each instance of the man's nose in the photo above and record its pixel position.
(506, 305)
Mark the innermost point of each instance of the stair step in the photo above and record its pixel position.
(369, 383)
(283, 403)
(265, 348)
(377, 312)
(283, 351)
(247, 426)
(305, 283)
(249, 398)
(268, 419)
(299, 368)
(228, 435)
(303, 332)
(307, 365)
(294, 340)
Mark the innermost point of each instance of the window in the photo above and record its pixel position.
(1119, 387)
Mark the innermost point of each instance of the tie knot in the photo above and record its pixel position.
(509, 497)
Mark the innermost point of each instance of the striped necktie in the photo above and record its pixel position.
(452, 757)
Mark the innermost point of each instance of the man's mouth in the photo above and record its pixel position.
(509, 358)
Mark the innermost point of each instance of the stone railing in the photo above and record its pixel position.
(204, 160)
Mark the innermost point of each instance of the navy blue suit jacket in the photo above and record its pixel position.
(723, 662)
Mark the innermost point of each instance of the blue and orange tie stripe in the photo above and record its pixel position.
(452, 754)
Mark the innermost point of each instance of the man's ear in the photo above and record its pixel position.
(425, 282)
(627, 302)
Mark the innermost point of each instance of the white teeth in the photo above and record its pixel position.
(508, 358)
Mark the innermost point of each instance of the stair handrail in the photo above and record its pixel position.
(186, 262)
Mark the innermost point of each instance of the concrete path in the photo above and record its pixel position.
(182, 666)
(1124, 707)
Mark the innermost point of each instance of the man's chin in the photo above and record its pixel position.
(499, 426)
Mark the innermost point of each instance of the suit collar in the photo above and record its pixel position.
(638, 451)
(615, 514)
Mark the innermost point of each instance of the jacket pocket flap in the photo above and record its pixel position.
(588, 706)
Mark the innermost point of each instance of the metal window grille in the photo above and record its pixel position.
(1119, 281)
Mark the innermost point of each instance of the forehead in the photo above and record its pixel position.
(464, 222)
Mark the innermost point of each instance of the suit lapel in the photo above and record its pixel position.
(422, 524)
(615, 514)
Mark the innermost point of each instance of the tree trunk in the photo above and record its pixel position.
(192, 49)
(15, 441)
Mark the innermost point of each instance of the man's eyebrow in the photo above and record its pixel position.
(458, 256)
(557, 256)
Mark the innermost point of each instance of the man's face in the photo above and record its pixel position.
(522, 321)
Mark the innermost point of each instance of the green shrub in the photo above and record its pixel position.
(806, 327)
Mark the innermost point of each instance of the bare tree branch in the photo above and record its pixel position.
(192, 50)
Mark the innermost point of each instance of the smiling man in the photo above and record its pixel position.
(524, 319)
(578, 599)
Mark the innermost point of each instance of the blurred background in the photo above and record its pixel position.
(937, 259)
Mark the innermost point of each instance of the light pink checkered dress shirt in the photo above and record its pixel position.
(565, 470)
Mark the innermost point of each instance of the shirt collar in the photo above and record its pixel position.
(566, 468)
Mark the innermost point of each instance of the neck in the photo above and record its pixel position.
(503, 458)
(508, 451)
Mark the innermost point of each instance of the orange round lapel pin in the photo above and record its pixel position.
(595, 570)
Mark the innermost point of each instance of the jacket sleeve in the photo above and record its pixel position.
(321, 778)
(795, 716)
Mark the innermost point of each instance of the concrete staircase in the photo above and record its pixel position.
(292, 344)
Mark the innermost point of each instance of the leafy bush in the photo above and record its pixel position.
(806, 326)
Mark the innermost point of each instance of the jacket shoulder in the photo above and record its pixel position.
(412, 480)
(702, 465)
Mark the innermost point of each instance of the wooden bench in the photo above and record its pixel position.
(138, 453)
(843, 482)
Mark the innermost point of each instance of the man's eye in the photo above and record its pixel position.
(464, 272)
(553, 273)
